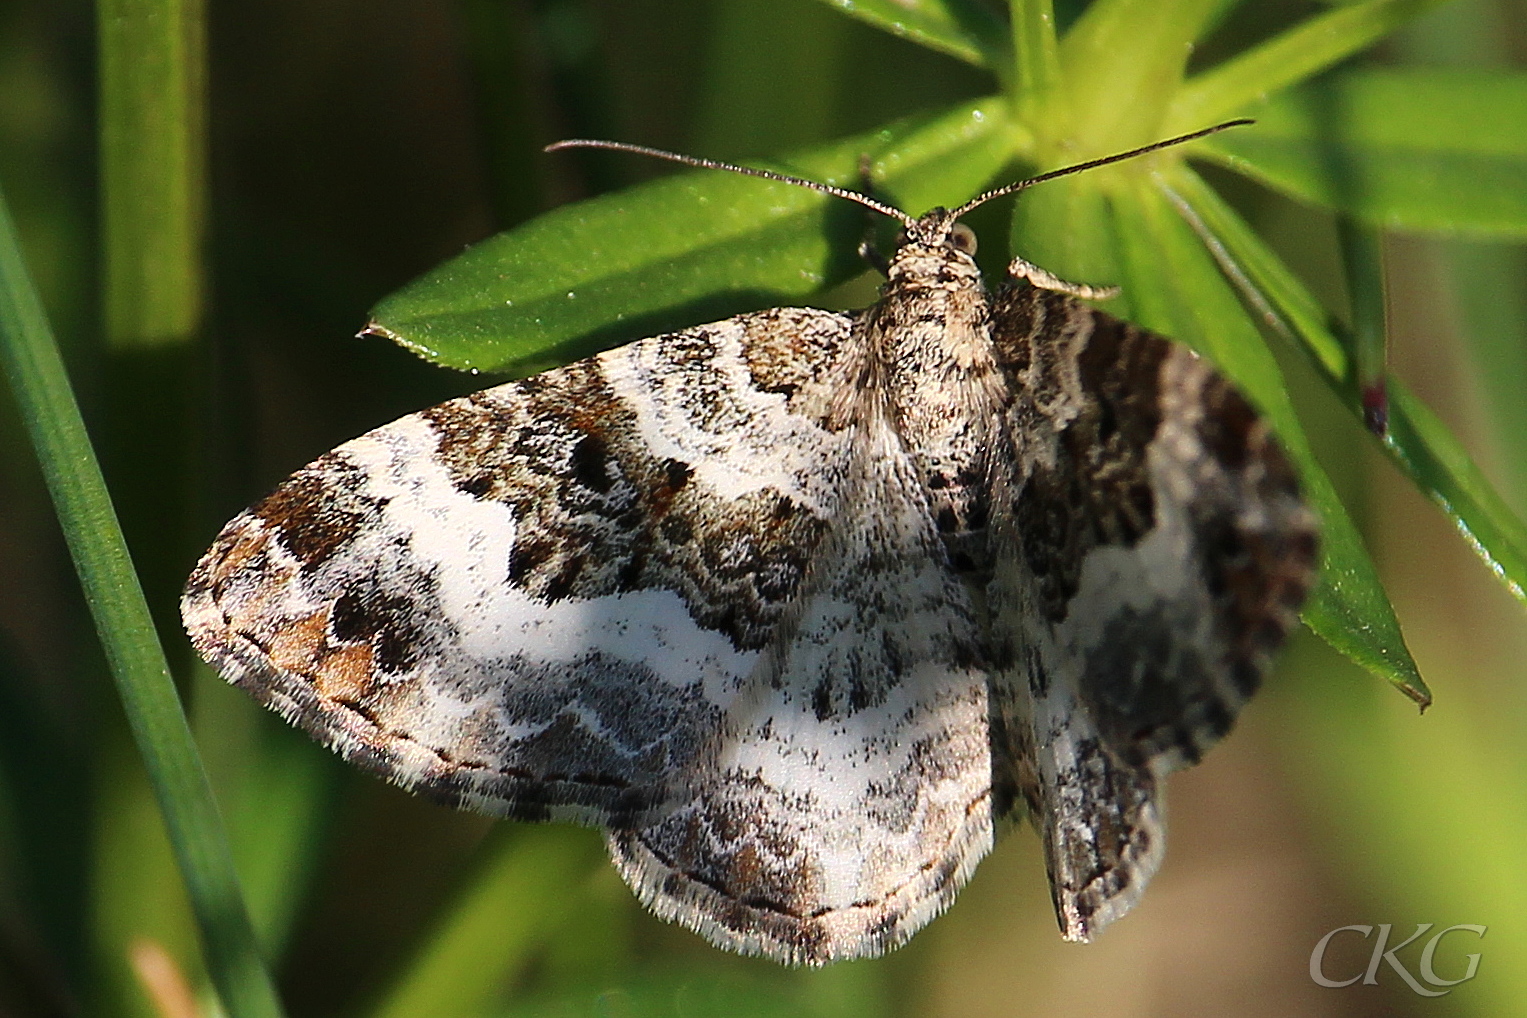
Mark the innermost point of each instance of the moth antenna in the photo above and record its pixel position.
(749, 171)
(1092, 164)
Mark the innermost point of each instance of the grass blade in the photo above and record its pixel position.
(1485, 281)
(1440, 466)
(85, 513)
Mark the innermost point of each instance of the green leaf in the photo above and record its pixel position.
(681, 250)
(1435, 459)
(1442, 150)
(967, 30)
(1304, 50)
(1485, 284)
(36, 373)
(1178, 290)
(1275, 293)
(1417, 442)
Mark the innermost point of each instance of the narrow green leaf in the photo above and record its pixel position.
(1442, 150)
(681, 250)
(469, 961)
(153, 187)
(967, 30)
(1438, 463)
(1304, 50)
(1178, 289)
(1280, 300)
(1422, 447)
(42, 392)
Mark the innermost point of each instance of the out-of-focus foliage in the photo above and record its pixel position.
(352, 150)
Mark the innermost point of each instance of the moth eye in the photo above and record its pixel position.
(901, 236)
(963, 238)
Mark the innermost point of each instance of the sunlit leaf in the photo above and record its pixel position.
(681, 250)
(1036, 49)
(965, 29)
(1442, 150)
(1441, 467)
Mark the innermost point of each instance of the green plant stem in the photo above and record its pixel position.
(153, 180)
(46, 402)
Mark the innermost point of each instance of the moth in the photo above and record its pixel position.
(800, 606)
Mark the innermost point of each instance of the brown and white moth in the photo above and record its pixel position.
(800, 605)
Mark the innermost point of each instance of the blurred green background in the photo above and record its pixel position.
(355, 144)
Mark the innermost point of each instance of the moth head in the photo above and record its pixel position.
(938, 228)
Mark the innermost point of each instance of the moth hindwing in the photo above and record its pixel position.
(795, 605)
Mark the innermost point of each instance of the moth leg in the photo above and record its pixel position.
(1021, 268)
(867, 249)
